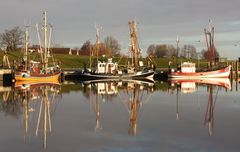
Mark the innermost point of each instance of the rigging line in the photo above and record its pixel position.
(215, 99)
(120, 59)
(48, 113)
(148, 98)
(39, 42)
(124, 103)
(39, 117)
(55, 107)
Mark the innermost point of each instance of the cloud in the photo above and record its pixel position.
(74, 20)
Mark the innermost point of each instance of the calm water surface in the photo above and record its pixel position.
(120, 116)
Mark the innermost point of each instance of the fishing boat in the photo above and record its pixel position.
(30, 70)
(110, 70)
(188, 69)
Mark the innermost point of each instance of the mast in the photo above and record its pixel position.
(209, 35)
(39, 42)
(134, 46)
(177, 49)
(45, 62)
(97, 40)
(26, 49)
(90, 59)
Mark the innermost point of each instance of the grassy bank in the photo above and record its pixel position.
(75, 61)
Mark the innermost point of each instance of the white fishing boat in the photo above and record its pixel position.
(110, 70)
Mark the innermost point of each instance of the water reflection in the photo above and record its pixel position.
(187, 86)
(36, 103)
(29, 98)
(209, 116)
(130, 93)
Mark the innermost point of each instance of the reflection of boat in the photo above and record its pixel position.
(110, 70)
(38, 70)
(130, 92)
(142, 81)
(19, 85)
(209, 115)
(44, 95)
(224, 82)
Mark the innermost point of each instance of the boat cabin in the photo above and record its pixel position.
(106, 67)
(188, 67)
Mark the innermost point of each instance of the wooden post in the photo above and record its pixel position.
(236, 70)
(14, 65)
(231, 73)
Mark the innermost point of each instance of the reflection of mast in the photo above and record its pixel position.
(177, 111)
(209, 116)
(46, 116)
(96, 108)
(25, 102)
(97, 112)
(133, 106)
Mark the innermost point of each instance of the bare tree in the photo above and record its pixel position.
(11, 39)
(205, 54)
(161, 50)
(112, 44)
(171, 51)
(189, 51)
(86, 48)
(151, 50)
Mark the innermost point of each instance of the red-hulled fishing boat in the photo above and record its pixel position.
(188, 69)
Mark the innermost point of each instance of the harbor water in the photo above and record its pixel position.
(120, 116)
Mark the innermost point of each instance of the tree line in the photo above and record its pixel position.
(169, 51)
(109, 47)
(13, 39)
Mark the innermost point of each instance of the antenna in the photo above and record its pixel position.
(98, 29)
(210, 26)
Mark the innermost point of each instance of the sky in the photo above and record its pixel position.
(159, 21)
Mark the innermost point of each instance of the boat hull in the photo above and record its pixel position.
(222, 73)
(138, 75)
(23, 76)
